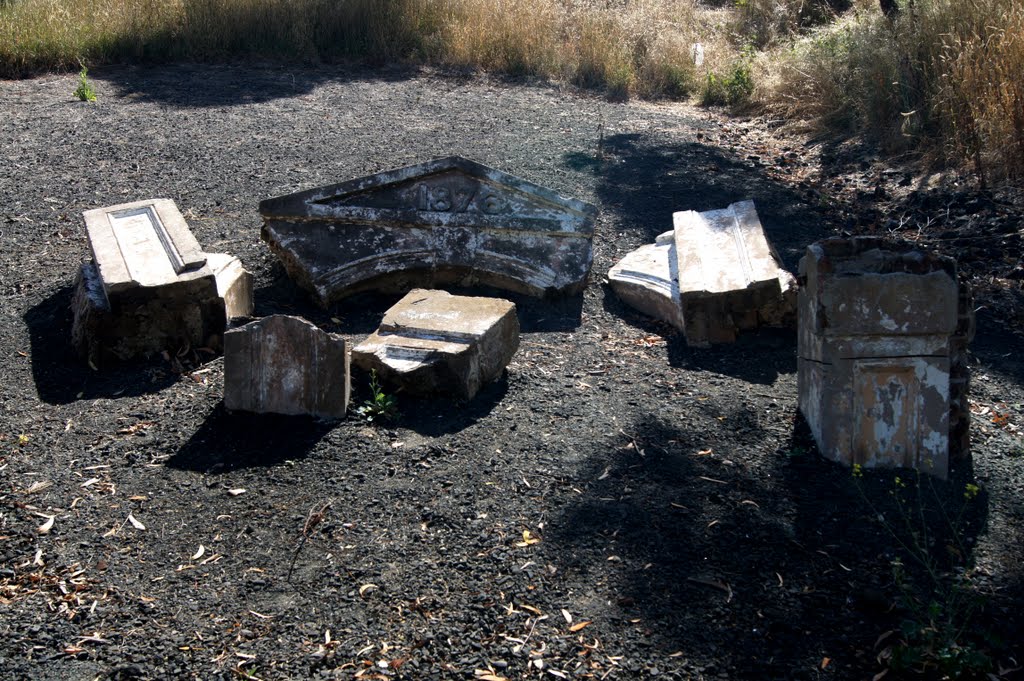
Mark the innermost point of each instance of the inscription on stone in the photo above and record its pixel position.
(448, 221)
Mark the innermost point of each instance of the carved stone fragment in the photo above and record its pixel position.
(150, 287)
(433, 342)
(714, 275)
(286, 365)
(447, 221)
(882, 342)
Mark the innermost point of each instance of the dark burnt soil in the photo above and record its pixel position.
(618, 505)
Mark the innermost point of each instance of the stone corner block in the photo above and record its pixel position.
(432, 342)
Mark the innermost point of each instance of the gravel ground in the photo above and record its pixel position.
(618, 505)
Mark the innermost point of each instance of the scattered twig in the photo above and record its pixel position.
(313, 518)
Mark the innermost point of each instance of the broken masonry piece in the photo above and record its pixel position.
(882, 354)
(446, 221)
(286, 365)
(431, 342)
(713, 275)
(150, 287)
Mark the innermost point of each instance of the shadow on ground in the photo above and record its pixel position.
(229, 441)
(61, 376)
(201, 86)
(645, 178)
(695, 550)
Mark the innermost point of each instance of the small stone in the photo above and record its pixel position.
(433, 342)
(286, 365)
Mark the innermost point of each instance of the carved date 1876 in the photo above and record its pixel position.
(444, 199)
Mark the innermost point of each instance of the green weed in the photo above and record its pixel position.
(381, 406)
(85, 91)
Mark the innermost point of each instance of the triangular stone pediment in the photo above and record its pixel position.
(451, 191)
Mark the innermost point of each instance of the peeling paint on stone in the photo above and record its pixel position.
(882, 339)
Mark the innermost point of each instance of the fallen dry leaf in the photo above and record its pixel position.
(236, 491)
(579, 625)
(38, 486)
(366, 589)
(199, 553)
(46, 526)
(135, 522)
(567, 615)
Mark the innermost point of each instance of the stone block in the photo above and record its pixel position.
(730, 278)
(150, 287)
(882, 327)
(447, 221)
(714, 275)
(234, 284)
(433, 342)
(286, 365)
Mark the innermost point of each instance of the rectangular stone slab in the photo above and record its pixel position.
(286, 365)
(433, 342)
(446, 221)
(144, 243)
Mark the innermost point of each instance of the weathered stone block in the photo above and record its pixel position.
(882, 326)
(444, 221)
(715, 274)
(150, 287)
(433, 342)
(730, 278)
(286, 365)
(234, 284)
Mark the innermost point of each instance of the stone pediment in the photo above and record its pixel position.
(451, 191)
(446, 221)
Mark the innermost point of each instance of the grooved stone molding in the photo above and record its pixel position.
(446, 221)
(433, 342)
(286, 365)
(713, 275)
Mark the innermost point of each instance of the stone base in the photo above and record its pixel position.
(143, 321)
(432, 342)
(286, 365)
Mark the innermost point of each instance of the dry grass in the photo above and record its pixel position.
(945, 77)
(629, 47)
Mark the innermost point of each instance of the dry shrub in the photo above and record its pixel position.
(944, 76)
(59, 34)
(768, 22)
(981, 93)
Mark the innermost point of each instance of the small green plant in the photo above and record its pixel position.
(85, 91)
(732, 88)
(381, 406)
(936, 633)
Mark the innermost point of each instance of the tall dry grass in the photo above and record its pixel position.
(629, 47)
(945, 76)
